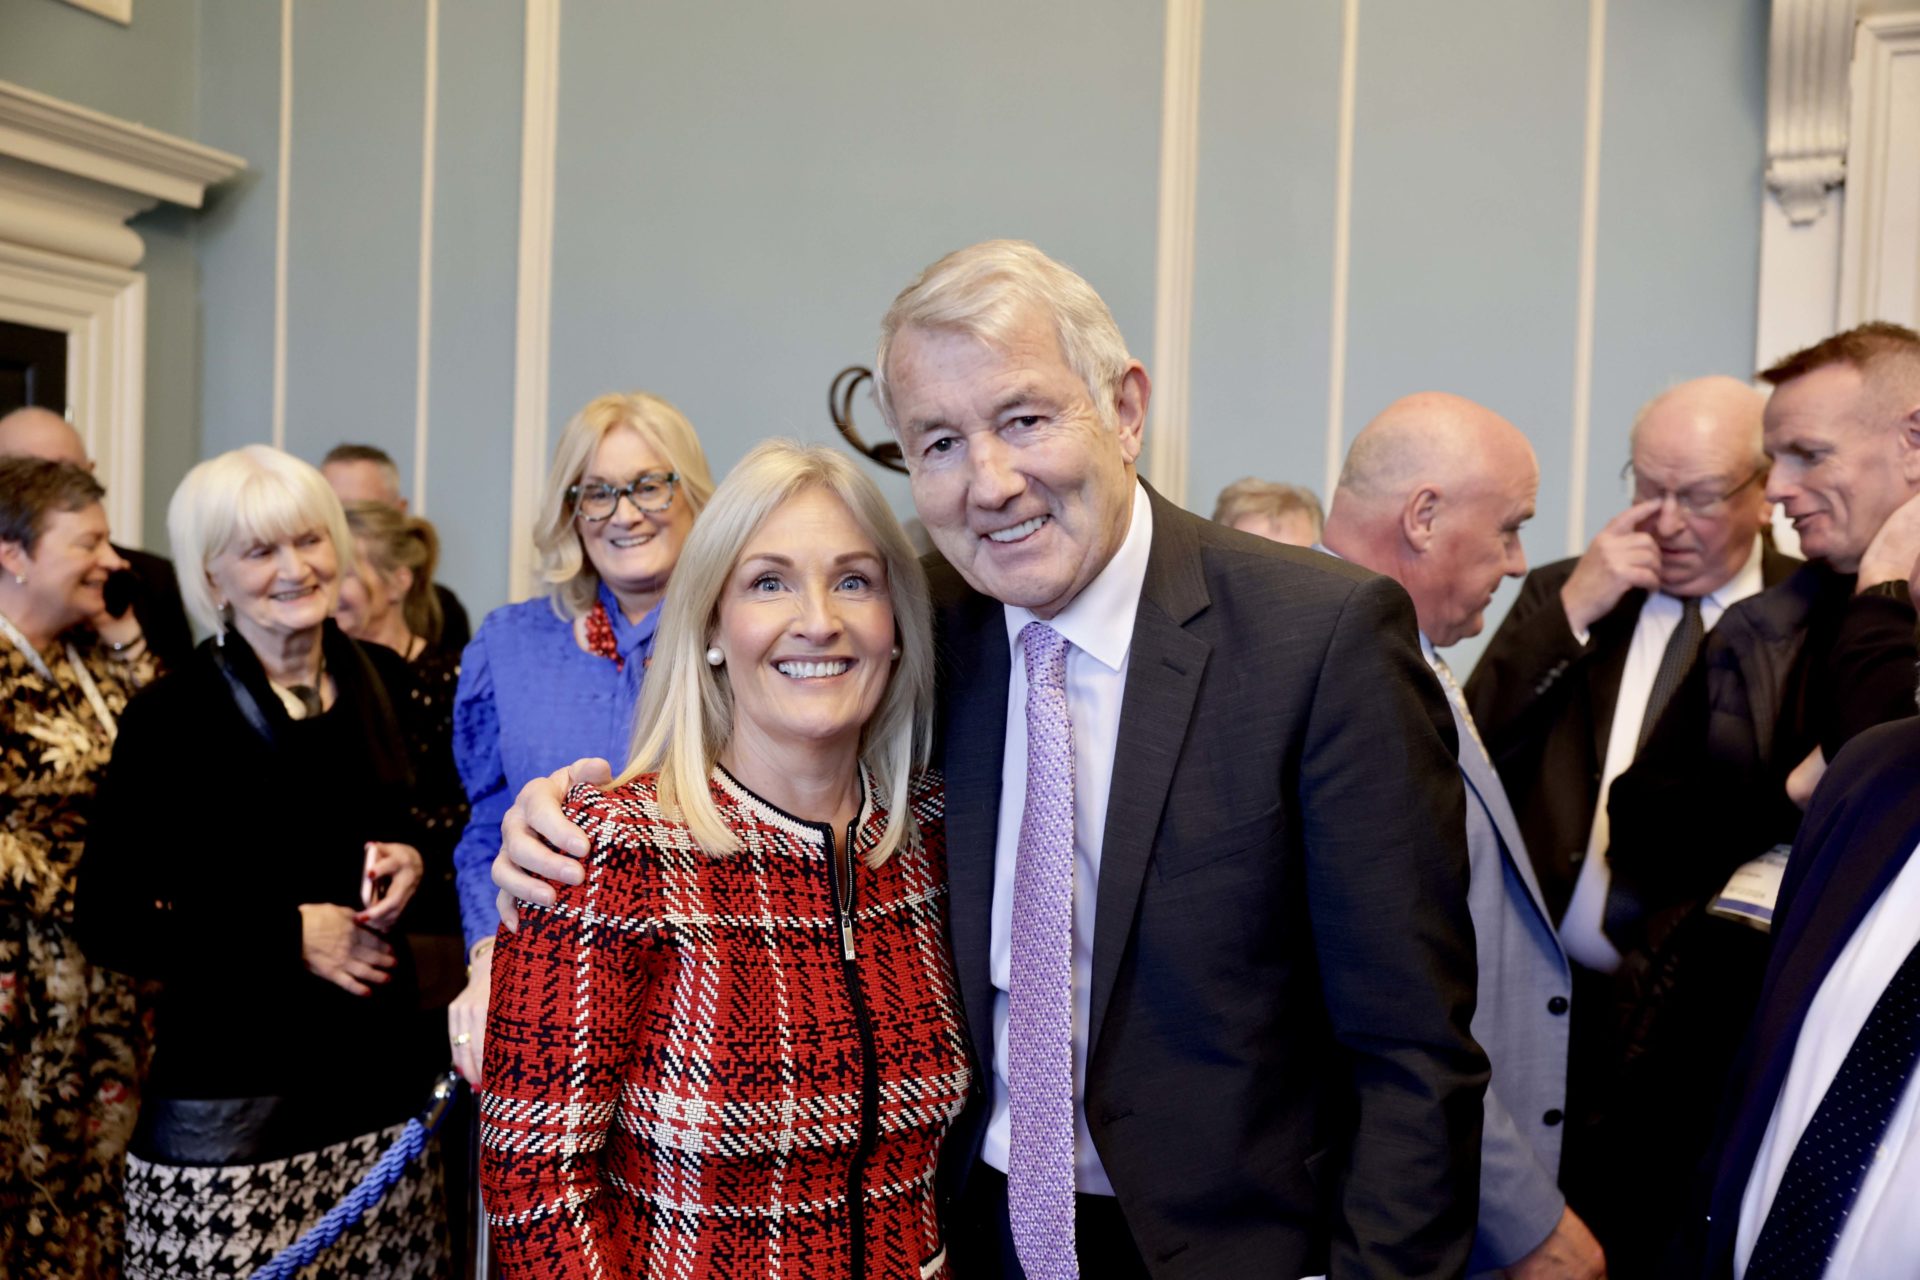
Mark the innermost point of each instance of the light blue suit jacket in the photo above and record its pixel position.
(1524, 978)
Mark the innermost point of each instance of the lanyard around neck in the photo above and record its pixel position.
(81, 675)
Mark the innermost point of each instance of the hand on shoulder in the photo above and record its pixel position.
(538, 845)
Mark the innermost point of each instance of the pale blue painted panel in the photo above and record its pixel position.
(353, 259)
(740, 198)
(475, 242)
(1263, 244)
(173, 367)
(1470, 123)
(1684, 148)
(239, 112)
(143, 72)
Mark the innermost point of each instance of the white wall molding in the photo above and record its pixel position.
(423, 349)
(1880, 243)
(1580, 445)
(70, 179)
(539, 119)
(1167, 442)
(116, 154)
(283, 195)
(102, 308)
(1811, 45)
(1342, 246)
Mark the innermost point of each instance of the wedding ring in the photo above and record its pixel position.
(462, 1040)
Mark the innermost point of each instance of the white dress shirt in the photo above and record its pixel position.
(1098, 623)
(1580, 930)
(1881, 1237)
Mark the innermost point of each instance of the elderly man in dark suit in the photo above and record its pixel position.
(1433, 495)
(1815, 1170)
(1785, 680)
(1205, 837)
(1567, 688)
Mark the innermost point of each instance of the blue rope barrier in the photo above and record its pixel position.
(393, 1162)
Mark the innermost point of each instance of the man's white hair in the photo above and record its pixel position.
(988, 290)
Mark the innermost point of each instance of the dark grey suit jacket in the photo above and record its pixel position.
(1281, 1079)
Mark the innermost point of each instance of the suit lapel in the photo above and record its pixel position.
(1612, 637)
(1164, 666)
(1485, 785)
(978, 666)
(1853, 867)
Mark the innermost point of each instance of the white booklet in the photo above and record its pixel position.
(1753, 889)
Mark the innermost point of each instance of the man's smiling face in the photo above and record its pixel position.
(1023, 484)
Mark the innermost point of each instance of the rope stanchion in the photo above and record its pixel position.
(379, 1180)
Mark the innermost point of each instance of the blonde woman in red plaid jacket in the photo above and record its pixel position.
(734, 1049)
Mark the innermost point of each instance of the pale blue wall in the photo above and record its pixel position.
(475, 249)
(145, 73)
(1263, 245)
(737, 202)
(740, 189)
(239, 112)
(1468, 143)
(353, 230)
(1470, 122)
(1679, 250)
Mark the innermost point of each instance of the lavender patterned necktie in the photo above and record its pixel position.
(1040, 995)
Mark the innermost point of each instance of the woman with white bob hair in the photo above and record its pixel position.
(290, 1050)
(739, 1042)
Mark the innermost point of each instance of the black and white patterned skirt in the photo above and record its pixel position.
(211, 1221)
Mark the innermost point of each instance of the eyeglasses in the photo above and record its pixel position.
(651, 493)
(1694, 502)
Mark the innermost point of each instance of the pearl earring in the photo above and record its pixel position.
(715, 657)
(20, 579)
(896, 653)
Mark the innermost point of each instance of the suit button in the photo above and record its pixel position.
(1557, 1005)
(1552, 1117)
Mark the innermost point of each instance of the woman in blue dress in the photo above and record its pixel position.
(548, 681)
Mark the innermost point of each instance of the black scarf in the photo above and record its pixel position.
(359, 693)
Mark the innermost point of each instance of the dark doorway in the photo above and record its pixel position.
(33, 367)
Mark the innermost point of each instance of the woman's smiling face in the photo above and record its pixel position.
(277, 587)
(806, 626)
(633, 551)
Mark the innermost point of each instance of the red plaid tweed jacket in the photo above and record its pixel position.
(685, 1075)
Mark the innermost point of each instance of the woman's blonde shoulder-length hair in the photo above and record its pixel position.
(254, 493)
(686, 706)
(571, 582)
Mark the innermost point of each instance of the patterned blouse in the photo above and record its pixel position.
(73, 1038)
(687, 1069)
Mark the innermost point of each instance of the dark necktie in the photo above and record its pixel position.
(1682, 648)
(1838, 1147)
